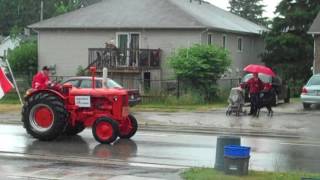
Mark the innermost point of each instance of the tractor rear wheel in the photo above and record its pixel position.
(105, 130)
(72, 131)
(129, 130)
(44, 116)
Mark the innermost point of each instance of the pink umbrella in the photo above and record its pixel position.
(254, 68)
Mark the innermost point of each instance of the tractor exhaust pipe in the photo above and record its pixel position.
(105, 78)
(93, 71)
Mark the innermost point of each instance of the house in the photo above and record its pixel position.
(8, 43)
(145, 33)
(315, 31)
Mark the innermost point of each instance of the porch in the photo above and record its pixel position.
(124, 60)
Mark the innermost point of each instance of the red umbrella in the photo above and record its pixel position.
(253, 68)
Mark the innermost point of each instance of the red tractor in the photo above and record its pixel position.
(49, 113)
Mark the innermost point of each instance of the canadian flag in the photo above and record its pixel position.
(5, 84)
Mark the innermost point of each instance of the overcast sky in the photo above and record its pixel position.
(271, 5)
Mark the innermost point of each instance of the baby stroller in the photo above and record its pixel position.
(236, 102)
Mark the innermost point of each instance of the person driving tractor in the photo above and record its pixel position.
(41, 80)
(255, 86)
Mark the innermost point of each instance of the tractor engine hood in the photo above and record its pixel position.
(97, 92)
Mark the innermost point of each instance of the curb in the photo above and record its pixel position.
(220, 131)
(82, 160)
(204, 130)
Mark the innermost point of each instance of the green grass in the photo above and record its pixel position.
(10, 98)
(295, 100)
(211, 174)
(10, 103)
(187, 102)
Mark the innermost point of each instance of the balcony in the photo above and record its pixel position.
(124, 60)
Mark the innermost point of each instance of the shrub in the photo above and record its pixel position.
(201, 66)
(24, 58)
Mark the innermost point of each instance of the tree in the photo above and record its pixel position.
(65, 6)
(21, 13)
(24, 58)
(289, 49)
(249, 9)
(201, 66)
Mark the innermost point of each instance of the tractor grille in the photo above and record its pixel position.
(125, 101)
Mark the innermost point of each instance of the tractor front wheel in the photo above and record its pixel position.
(130, 129)
(44, 116)
(105, 130)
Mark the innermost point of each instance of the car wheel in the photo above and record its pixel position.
(287, 99)
(306, 105)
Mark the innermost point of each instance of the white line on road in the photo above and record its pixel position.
(156, 166)
(296, 144)
(152, 134)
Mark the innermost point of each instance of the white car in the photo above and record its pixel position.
(311, 92)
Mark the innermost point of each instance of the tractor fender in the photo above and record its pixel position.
(49, 91)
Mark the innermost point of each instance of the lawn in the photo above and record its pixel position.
(211, 174)
(10, 98)
(10, 103)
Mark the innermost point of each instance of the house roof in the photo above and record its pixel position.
(315, 27)
(149, 14)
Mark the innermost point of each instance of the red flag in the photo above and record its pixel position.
(5, 84)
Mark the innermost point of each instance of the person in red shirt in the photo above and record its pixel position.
(41, 80)
(255, 85)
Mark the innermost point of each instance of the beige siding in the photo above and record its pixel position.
(168, 42)
(69, 49)
(252, 47)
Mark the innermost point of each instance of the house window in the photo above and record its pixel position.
(224, 41)
(209, 39)
(240, 45)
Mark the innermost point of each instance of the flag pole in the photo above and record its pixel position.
(14, 80)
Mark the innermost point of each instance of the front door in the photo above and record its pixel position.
(129, 45)
(134, 47)
(123, 47)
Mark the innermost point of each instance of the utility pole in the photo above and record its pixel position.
(41, 11)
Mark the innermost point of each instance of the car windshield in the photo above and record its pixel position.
(315, 80)
(264, 78)
(112, 84)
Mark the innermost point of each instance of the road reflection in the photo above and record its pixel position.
(121, 149)
(77, 146)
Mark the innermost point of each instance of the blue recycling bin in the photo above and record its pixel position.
(236, 159)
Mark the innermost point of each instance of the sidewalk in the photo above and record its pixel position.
(289, 120)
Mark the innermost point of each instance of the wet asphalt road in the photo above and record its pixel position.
(148, 154)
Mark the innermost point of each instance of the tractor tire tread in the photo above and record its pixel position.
(60, 115)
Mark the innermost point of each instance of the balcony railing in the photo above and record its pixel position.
(114, 58)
